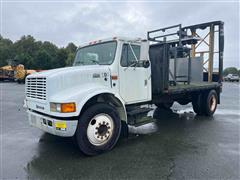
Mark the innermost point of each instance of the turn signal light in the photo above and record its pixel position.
(68, 107)
(63, 107)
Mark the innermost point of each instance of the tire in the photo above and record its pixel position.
(98, 129)
(197, 104)
(124, 130)
(164, 105)
(209, 104)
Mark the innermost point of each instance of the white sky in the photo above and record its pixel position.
(62, 22)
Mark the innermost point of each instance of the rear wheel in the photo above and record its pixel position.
(98, 129)
(210, 103)
(205, 103)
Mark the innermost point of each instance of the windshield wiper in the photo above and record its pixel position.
(94, 61)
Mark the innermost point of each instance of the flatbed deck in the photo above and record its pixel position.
(181, 87)
(184, 92)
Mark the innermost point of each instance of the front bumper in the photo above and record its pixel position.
(65, 128)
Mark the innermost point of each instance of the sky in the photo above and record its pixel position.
(62, 22)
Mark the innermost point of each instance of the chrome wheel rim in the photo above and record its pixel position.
(213, 103)
(100, 129)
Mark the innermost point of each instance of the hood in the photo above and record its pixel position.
(64, 79)
(61, 71)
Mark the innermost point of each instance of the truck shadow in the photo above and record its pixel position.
(162, 139)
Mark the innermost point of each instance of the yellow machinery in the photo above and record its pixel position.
(6, 73)
(21, 73)
(14, 73)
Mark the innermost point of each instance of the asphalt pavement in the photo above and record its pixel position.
(176, 145)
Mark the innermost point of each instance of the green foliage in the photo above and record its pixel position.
(5, 51)
(61, 57)
(43, 58)
(36, 54)
(231, 70)
(70, 59)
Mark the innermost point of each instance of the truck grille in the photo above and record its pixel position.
(36, 88)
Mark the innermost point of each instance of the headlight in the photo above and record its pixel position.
(63, 107)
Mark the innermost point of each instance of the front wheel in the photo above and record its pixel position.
(98, 129)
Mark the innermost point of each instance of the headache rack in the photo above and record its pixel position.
(176, 42)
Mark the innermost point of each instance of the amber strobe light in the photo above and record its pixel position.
(68, 107)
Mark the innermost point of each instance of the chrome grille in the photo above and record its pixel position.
(36, 88)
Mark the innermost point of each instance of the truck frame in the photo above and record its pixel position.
(111, 79)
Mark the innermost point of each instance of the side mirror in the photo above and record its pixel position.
(146, 63)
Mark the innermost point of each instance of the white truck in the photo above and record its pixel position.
(110, 80)
(232, 78)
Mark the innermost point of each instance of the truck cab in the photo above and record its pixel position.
(91, 99)
(115, 70)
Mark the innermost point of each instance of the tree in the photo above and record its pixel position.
(71, 48)
(42, 60)
(27, 45)
(25, 59)
(50, 48)
(61, 57)
(70, 59)
(36, 54)
(230, 70)
(5, 51)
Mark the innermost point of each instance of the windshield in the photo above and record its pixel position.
(102, 54)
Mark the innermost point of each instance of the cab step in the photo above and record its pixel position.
(137, 111)
(137, 116)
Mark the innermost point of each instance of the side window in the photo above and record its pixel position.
(128, 58)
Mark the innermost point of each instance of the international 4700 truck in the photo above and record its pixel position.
(112, 79)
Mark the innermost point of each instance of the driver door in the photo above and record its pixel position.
(134, 78)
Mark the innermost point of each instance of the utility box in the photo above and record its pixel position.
(159, 57)
(196, 72)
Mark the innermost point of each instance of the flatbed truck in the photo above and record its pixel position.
(111, 79)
